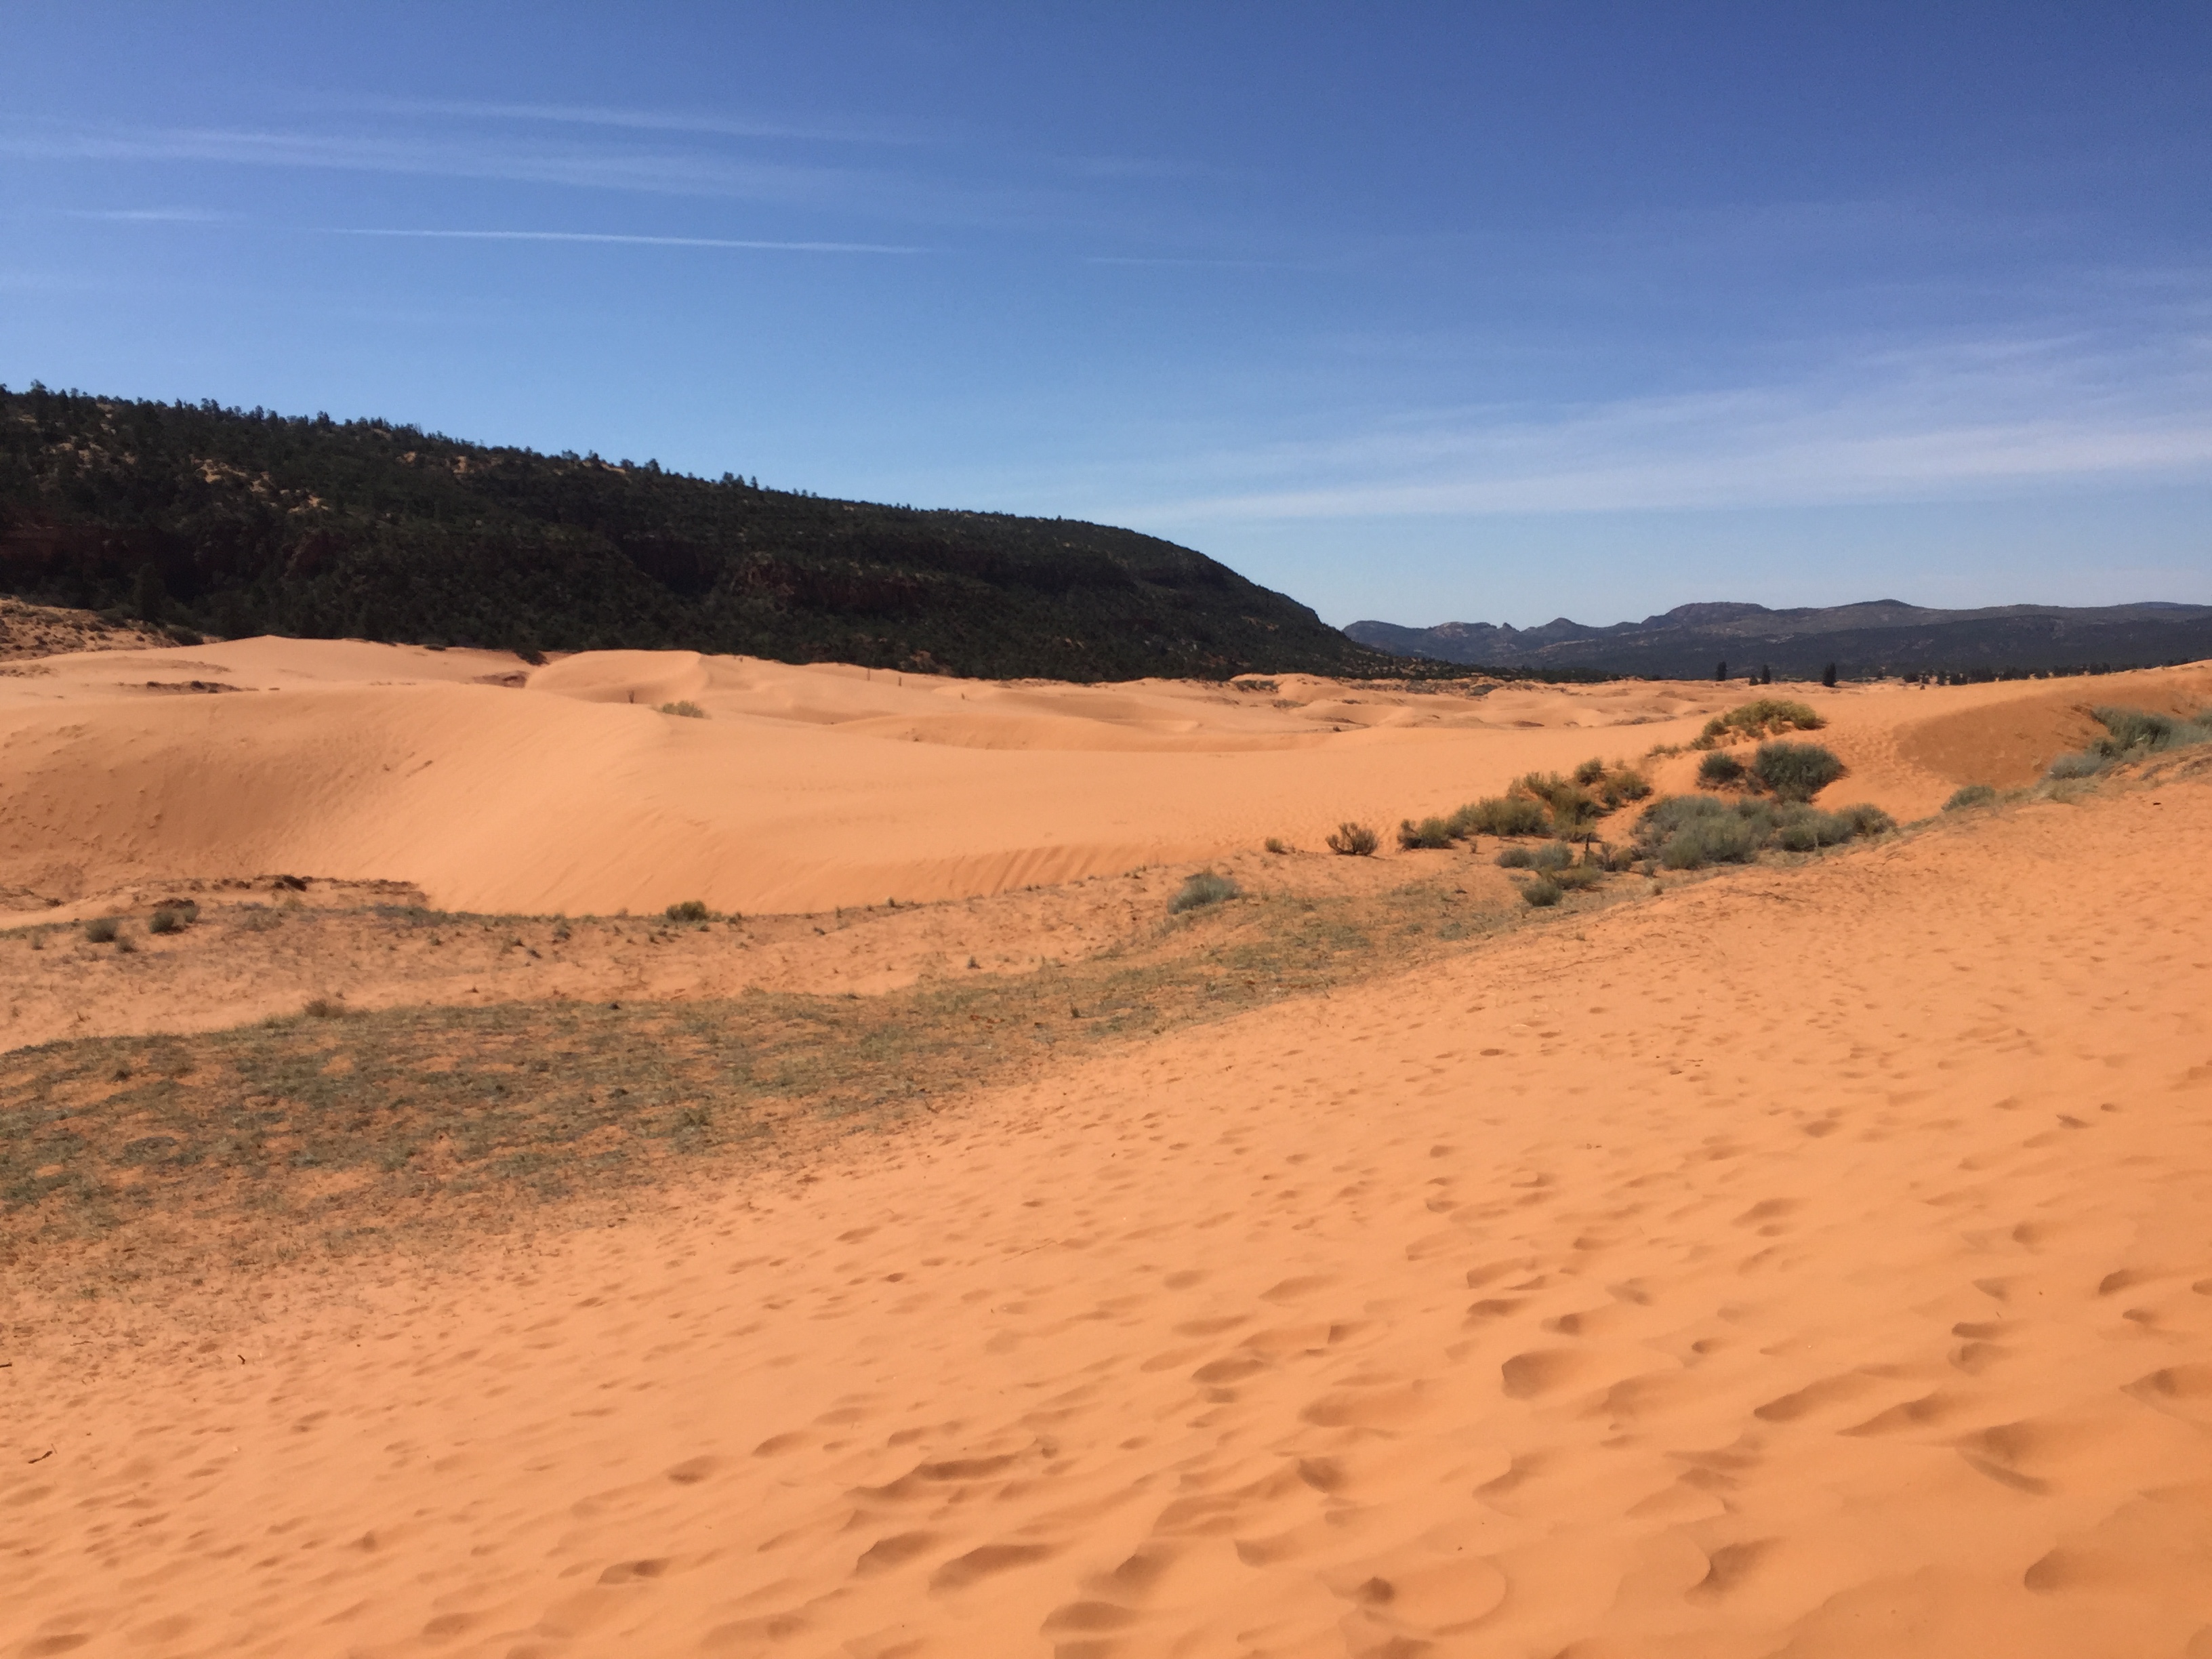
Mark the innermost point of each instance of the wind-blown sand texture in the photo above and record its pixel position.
(1806, 1261)
(810, 787)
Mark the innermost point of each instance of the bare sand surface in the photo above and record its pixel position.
(494, 787)
(1810, 1262)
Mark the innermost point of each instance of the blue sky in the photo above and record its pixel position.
(1414, 312)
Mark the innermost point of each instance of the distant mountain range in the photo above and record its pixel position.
(1880, 636)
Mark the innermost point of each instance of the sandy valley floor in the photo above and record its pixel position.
(1806, 1260)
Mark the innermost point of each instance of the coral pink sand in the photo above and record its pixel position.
(1806, 1263)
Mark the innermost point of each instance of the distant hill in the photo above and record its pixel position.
(245, 522)
(1882, 636)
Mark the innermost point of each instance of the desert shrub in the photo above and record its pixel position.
(1502, 815)
(1430, 834)
(330, 1007)
(1867, 819)
(1574, 877)
(1794, 771)
(1354, 841)
(1544, 855)
(1725, 839)
(2130, 732)
(1671, 812)
(1760, 717)
(1277, 845)
(1718, 770)
(1974, 794)
(1543, 893)
(1624, 784)
(2084, 763)
(689, 711)
(102, 930)
(1570, 805)
(691, 910)
(1203, 888)
(165, 921)
(1590, 772)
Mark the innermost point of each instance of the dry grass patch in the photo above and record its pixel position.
(125, 1162)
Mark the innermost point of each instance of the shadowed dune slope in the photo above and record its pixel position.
(1808, 1263)
(496, 788)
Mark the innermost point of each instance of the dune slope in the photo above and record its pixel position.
(1806, 1263)
(495, 788)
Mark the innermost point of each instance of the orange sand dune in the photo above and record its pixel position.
(1806, 1263)
(805, 788)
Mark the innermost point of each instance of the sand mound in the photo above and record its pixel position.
(1808, 1262)
(494, 788)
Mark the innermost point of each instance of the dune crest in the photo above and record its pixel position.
(496, 788)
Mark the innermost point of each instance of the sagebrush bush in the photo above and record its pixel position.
(1624, 784)
(330, 1008)
(1203, 888)
(165, 921)
(1544, 855)
(1574, 877)
(1277, 845)
(1867, 819)
(689, 711)
(1757, 719)
(1429, 833)
(690, 910)
(1501, 815)
(1543, 893)
(1718, 770)
(102, 930)
(1974, 794)
(1794, 771)
(1354, 841)
(2084, 763)
(1726, 840)
(1570, 805)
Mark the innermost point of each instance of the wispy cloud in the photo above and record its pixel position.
(644, 241)
(699, 170)
(169, 216)
(633, 120)
(1950, 420)
(1171, 260)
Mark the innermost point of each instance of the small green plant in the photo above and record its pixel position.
(174, 916)
(1354, 841)
(1207, 887)
(1974, 794)
(690, 910)
(2131, 734)
(689, 711)
(1570, 805)
(1719, 770)
(1501, 815)
(1576, 877)
(1760, 717)
(1542, 893)
(1278, 845)
(1430, 834)
(102, 930)
(2083, 763)
(1794, 771)
(1544, 855)
(1867, 820)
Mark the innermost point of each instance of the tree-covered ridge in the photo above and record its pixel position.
(244, 521)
